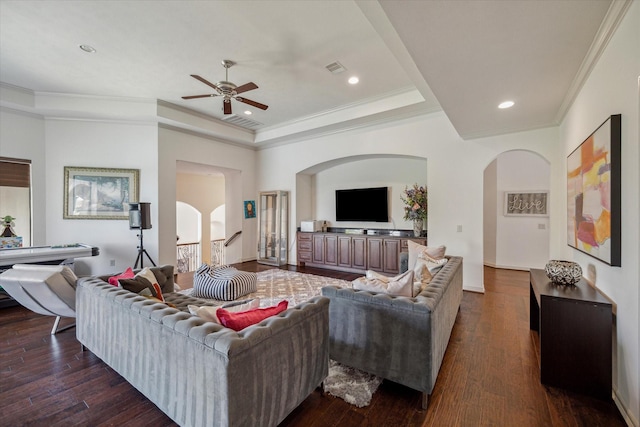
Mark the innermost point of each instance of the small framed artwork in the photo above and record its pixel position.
(99, 193)
(526, 203)
(249, 208)
(594, 182)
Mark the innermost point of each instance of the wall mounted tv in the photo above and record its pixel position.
(362, 204)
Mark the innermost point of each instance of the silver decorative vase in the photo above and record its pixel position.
(417, 227)
(563, 272)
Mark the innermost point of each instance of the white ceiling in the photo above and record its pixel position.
(470, 54)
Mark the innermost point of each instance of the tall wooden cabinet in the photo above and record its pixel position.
(355, 253)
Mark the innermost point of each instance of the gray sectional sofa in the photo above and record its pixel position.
(201, 373)
(398, 338)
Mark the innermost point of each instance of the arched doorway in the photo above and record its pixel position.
(520, 241)
(189, 234)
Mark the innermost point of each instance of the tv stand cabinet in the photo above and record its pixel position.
(574, 325)
(353, 252)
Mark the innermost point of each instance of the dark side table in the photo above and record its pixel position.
(574, 324)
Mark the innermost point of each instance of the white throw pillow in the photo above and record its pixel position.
(415, 250)
(434, 265)
(370, 274)
(208, 313)
(401, 285)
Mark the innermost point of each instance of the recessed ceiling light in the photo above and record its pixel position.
(248, 113)
(353, 80)
(506, 104)
(87, 48)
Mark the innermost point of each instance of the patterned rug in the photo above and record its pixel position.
(276, 285)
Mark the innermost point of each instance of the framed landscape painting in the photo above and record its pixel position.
(594, 194)
(99, 193)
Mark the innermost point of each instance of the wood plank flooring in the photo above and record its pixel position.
(489, 377)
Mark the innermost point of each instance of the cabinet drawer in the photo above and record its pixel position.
(304, 236)
(304, 245)
(304, 256)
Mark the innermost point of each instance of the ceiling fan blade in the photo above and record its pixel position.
(227, 106)
(246, 87)
(200, 96)
(252, 103)
(208, 83)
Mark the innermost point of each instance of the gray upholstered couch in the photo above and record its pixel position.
(201, 373)
(398, 338)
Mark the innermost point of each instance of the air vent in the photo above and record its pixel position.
(335, 67)
(234, 119)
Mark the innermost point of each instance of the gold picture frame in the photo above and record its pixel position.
(99, 193)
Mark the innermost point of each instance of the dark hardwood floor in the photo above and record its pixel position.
(489, 377)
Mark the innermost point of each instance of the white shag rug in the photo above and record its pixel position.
(276, 285)
(351, 385)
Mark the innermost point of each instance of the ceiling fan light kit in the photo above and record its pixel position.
(228, 90)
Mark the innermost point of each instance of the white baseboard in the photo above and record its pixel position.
(505, 267)
(624, 411)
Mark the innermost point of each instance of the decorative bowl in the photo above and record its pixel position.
(563, 272)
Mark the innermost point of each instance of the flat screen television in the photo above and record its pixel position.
(362, 204)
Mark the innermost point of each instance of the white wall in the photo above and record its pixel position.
(454, 174)
(237, 164)
(613, 88)
(22, 137)
(490, 212)
(188, 223)
(520, 242)
(395, 173)
(101, 144)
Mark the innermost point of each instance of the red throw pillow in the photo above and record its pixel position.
(241, 320)
(128, 274)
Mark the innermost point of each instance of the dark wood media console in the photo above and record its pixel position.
(574, 324)
(353, 252)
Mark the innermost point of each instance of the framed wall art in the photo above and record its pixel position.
(249, 208)
(526, 203)
(99, 193)
(594, 193)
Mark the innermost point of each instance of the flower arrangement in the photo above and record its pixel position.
(415, 199)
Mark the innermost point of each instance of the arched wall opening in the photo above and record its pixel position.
(203, 188)
(315, 186)
(515, 241)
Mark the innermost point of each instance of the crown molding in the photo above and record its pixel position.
(609, 25)
(395, 115)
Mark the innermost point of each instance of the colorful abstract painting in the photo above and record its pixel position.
(593, 194)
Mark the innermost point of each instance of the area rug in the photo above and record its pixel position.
(276, 285)
(351, 385)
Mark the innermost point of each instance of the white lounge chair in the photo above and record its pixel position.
(44, 289)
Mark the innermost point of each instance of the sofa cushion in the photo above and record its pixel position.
(241, 320)
(401, 285)
(415, 250)
(225, 284)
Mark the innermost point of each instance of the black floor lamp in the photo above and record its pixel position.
(140, 219)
